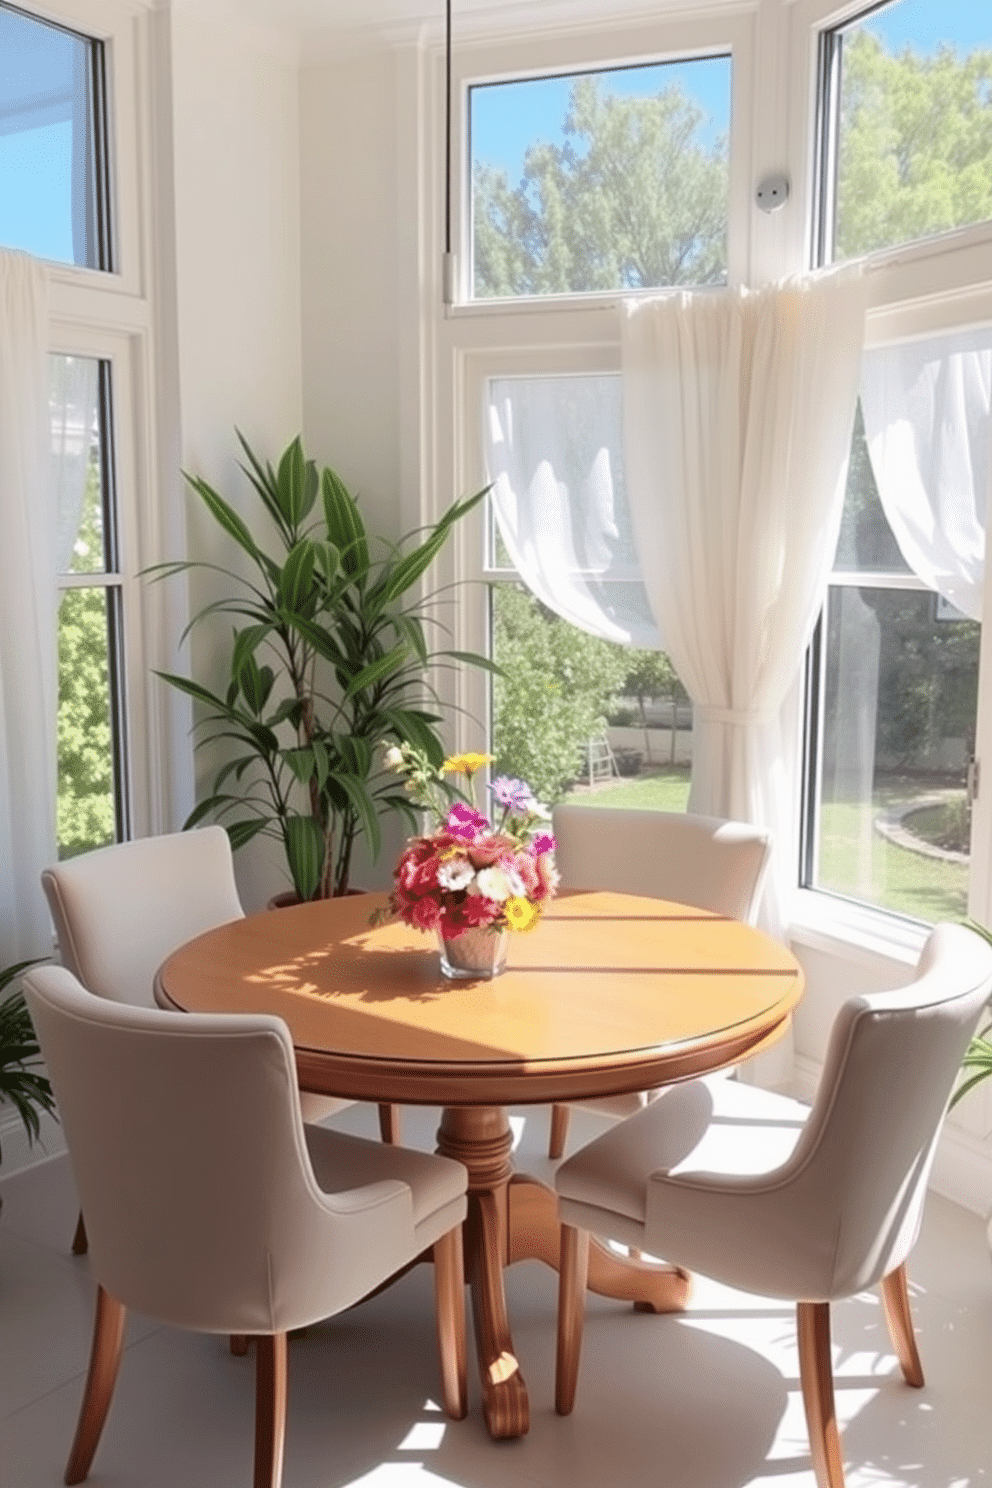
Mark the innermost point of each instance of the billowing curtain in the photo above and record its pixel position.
(554, 454)
(738, 409)
(926, 407)
(28, 661)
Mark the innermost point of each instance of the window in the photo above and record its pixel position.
(601, 181)
(894, 723)
(62, 104)
(92, 790)
(586, 699)
(53, 165)
(900, 695)
(908, 101)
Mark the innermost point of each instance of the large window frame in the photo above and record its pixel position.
(110, 315)
(931, 286)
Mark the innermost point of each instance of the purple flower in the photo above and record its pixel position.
(512, 795)
(543, 843)
(465, 822)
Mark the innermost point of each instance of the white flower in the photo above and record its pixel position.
(515, 884)
(493, 883)
(393, 758)
(455, 873)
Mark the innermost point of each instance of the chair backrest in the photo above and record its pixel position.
(186, 1139)
(853, 1190)
(699, 860)
(120, 911)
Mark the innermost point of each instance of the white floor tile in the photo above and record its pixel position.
(709, 1399)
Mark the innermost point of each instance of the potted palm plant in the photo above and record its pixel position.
(27, 1090)
(329, 659)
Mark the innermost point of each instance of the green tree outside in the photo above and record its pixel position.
(557, 686)
(85, 803)
(632, 199)
(915, 149)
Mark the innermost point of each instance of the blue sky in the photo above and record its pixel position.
(507, 117)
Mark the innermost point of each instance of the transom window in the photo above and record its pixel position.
(907, 110)
(55, 199)
(601, 181)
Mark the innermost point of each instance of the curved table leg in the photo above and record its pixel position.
(480, 1137)
(534, 1235)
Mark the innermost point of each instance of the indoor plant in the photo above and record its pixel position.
(471, 880)
(28, 1091)
(328, 659)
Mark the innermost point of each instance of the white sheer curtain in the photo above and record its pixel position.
(554, 455)
(926, 407)
(28, 662)
(738, 410)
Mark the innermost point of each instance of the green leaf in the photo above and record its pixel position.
(304, 844)
(345, 527)
(225, 516)
(296, 593)
(364, 808)
(243, 831)
(301, 762)
(293, 485)
(376, 671)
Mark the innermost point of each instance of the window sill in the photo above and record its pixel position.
(834, 925)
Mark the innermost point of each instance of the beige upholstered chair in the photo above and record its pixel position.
(698, 860)
(765, 1194)
(216, 1209)
(120, 911)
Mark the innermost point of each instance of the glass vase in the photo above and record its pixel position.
(480, 952)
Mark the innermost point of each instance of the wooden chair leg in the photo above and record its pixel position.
(80, 1240)
(817, 1377)
(389, 1124)
(105, 1358)
(449, 1303)
(573, 1272)
(270, 1409)
(899, 1316)
(559, 1130)
(239, 1345)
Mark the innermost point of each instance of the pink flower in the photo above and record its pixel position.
(464, 822)
(425, 914)
(542, 843)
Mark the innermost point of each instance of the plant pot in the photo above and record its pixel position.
(478, 953)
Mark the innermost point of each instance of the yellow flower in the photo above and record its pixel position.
(466, 764)
(521, 914)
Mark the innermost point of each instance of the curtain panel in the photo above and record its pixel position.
(738, 411)
(28, 657)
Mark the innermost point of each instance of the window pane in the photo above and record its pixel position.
(915, 123)
(602, 181)
(900, 703)
(576, 716)
(48, 154)
(77, 469)
(86, 809)
(866, 543)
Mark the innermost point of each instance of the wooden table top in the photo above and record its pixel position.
(609, 993)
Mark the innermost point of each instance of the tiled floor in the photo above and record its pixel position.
(706, 1400)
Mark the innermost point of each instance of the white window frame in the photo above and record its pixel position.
(110, 315)
(931, 286)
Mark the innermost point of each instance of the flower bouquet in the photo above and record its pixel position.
(470, 880)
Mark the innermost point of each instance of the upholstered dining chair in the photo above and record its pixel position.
(699, 860)
(230, 1216)
(119, 911)
(767, 1195)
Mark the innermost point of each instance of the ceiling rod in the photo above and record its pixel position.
(448, 266)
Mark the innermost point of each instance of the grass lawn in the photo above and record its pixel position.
(854, 859)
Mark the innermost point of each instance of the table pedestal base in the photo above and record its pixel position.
(513, 1217)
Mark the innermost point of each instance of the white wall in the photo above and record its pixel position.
(235, 105)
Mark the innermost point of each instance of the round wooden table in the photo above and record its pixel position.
(610, 993)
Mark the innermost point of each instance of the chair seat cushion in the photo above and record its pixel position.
(712, 1125)
(437, 1184)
